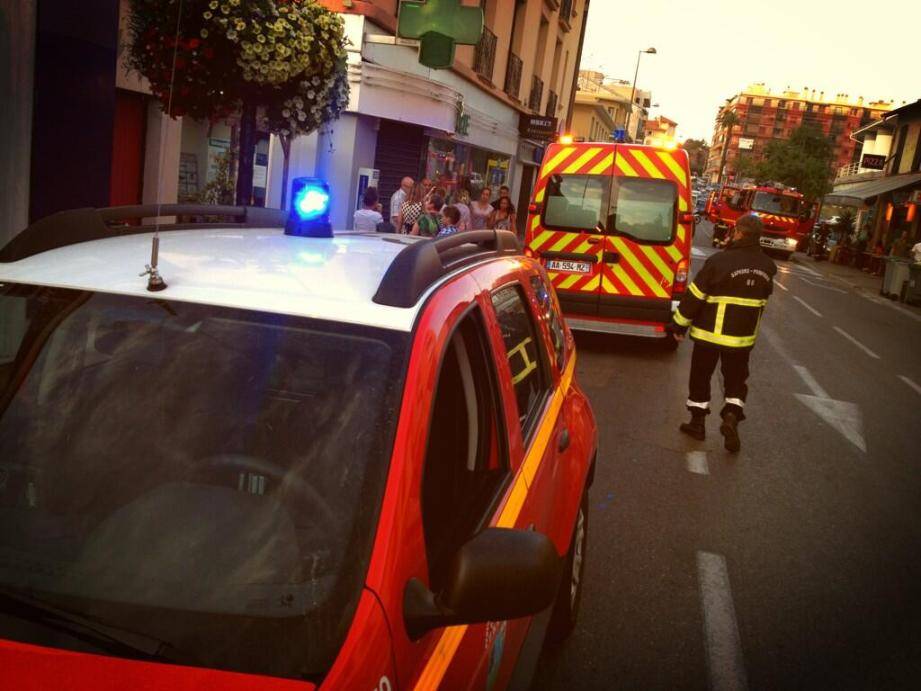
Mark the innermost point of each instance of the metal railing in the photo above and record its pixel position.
(854, 170)
(513, 76)
(552, 99)
(566, 11)
(485, 57)
(537, 93)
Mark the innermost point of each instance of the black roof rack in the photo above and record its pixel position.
(82, 225)
(422, 263)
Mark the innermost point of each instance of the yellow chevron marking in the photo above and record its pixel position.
(550, 166)
(658, 263)
(538, 242)
(583, 248)
(582, 160)
(626, 280)
(637, 266)
(682, 203)
(562, 242)
(647, 164)
(673, 166)
(673, 252)
(625, 167)
(539, 197)
(606, 163)
(592, 284)
(568, 281)
(681, 232)
(535, 222)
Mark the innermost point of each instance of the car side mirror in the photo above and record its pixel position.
(499, 574)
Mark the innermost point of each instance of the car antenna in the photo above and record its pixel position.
(155, 282)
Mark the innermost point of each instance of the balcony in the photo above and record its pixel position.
(566, 14)
(552, 99)
(537, 93)
(485, 57)
(513, 76)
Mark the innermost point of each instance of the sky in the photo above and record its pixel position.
(709, 50)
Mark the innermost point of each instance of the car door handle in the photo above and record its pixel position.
(610, 257)
(563, 442)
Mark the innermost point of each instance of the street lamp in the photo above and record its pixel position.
(651, 51)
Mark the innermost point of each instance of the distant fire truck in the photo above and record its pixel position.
(787, 216)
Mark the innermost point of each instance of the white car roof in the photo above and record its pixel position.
(249, 268)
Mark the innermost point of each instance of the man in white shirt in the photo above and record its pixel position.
(916, 253)
(368, 217)
(398, 197)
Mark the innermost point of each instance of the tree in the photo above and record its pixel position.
(803, 162)
(285, 57)
(698, 152)
(728, 120)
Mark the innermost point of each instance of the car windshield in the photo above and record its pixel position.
(201, 476)
(780, 204)
(644, 209)
(577, 202)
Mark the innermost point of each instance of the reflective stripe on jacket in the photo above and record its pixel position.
(723, 304)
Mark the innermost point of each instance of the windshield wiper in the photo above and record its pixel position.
(109, 638)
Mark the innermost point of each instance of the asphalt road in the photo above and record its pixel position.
(796, 564)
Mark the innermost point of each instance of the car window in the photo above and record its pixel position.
(520, 337)
(466, 459)
(576, 202)
(219, 470)
(644, 209)
(551, 316)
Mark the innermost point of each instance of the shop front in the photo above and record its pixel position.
(461, 168)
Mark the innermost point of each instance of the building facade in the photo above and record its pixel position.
(615, 94)
(883, 187)
(98, 136)
(594, 117)
(765, 116)
(660, 131)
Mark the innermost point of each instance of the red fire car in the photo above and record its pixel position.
(348, 462)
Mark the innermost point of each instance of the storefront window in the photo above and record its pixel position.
(460, 167)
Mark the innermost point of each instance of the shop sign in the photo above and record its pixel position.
(439, 25)
(537, 127)
(461, 120)
(873, 161)
(746, 143)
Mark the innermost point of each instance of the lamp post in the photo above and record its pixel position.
(651, 51)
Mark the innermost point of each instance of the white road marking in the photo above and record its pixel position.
(857, 343)
(889, 303)
(810, 381)
(807, 306)
(811, 272)
(697, 462)
(908, 381)
(776, 343)
(781, 286)
(843, 416)
(721, 631)
(798, 269)
(699, 253)
(819, 285)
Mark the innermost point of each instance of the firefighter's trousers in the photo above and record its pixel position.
(733, 365)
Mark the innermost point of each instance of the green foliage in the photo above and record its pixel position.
(220, 189)
(803, 162)
(287, 56)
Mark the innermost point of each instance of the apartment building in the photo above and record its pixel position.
(765, 115)
(661, 131)
(94, 135)
(614, 95)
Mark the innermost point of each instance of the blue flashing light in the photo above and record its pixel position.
(309, 215)
(312, 202)
(619, 135)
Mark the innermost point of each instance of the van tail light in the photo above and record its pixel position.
(532, 208)
(681, 277)
(528, 252)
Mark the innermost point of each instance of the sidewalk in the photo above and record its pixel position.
(860, 281)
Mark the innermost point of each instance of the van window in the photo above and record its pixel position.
(577, 202)
(644, 209)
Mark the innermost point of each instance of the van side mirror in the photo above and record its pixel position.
(499, 574)
(686, 217)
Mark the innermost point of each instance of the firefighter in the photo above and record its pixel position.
(722, 308)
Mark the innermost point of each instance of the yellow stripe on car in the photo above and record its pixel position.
(673, 166)
(649, 166)
(582, 160)
(561, 156)
(447, 645)
(625, 167)
(626, 254)
(658, 263)
(606, 163)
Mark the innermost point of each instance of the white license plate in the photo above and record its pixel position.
(572, 267)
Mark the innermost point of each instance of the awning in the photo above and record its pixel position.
(857, 193)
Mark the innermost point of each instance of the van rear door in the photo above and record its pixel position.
(575, 192)
(644, 243)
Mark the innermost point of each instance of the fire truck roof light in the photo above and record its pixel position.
(566, 139)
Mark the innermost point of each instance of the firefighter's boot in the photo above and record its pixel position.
(730, 431)
(695, 428)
